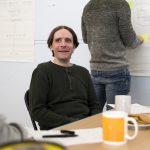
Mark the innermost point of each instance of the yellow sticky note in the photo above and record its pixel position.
(145, 37)
(131, 4)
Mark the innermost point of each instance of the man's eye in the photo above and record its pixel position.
(68, 40)
(58, 40)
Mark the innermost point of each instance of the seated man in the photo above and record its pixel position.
(11, 132)
(61, 92)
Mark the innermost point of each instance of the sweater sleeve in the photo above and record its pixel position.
(38, 93)
(92, 100)
(127, 33)
(84, 31)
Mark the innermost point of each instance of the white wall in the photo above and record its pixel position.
(140, 90)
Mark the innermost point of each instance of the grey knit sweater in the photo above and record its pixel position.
(11, 132)
(107, 29)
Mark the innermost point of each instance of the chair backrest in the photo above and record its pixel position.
(26, 98)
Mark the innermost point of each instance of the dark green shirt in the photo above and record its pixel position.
(60, 95)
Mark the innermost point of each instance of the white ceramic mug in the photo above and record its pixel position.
(115, 127)
(123, 103)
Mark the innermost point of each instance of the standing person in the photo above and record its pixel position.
(61, 92)
(107, 29)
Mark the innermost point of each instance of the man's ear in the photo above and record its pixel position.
(51, 51)
(74, 47)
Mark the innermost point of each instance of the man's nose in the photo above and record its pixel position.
(63, 43)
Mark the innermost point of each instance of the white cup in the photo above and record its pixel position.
(123, 103)
(115, 127)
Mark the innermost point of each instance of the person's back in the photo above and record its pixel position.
(108, 32)
(107, 29)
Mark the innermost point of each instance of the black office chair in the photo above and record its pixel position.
(26, 98)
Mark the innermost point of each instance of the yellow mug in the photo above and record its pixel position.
(115, 127)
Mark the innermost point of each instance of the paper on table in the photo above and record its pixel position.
(136, 108)
(92, 135)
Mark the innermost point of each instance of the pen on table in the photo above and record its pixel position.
(59, 136)
(66, 133)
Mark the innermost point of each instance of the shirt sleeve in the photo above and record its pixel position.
(92, 100)
(84, 31)
(127, 33)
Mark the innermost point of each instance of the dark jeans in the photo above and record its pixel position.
(107, 84)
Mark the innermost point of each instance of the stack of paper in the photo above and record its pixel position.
(139, 109)
(136, 108)
(92, 135)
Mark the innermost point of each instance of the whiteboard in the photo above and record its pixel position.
(139, 58)
(51, 13)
